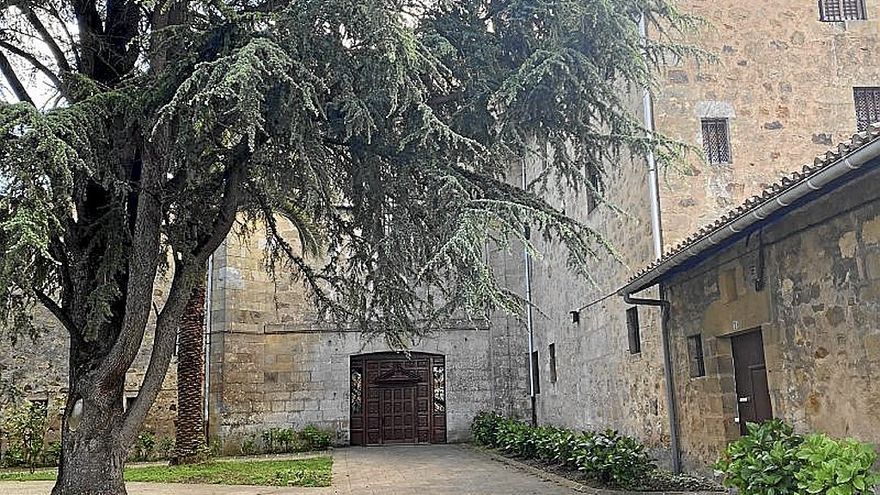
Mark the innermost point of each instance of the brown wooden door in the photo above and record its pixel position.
(398, 414)
(395, 399)
(750, 372)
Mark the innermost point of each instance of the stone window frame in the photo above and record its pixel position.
(712, 110)
(866, 100)
(842, 10)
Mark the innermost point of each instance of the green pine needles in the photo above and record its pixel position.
(382, 131)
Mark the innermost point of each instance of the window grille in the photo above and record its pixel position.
(716, 142)
(695, 356)
(842, 10)
(867, 102)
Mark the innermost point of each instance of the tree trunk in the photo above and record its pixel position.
(93, 450)
(189, 444)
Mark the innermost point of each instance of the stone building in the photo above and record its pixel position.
(774, 308)
(792, 78)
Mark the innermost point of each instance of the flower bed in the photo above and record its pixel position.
(603, 459)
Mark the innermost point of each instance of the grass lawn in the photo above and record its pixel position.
(302, 472)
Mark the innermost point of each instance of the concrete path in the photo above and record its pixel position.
(399, 470)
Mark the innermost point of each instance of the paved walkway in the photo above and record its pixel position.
(399, 470)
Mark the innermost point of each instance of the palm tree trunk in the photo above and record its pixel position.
(189, 444)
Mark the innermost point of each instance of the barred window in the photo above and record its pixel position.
(867, 102)
(716, 141)
(842, 10)
(695, 356)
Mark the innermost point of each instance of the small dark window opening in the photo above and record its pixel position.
(552, 351)
(842, 10)
(594, 188)
(867, 101)
(632, 327)
(716, 140)
(695, 356)
(129, 402)
(536, 373)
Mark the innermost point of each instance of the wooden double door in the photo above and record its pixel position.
(397, 398)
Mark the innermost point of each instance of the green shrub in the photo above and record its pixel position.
(836, 467)
(485, 427)
(24, 425)
(144, 447)
(771, 458)
(763, 461)
(315, 438)
(608, 456)
(279, 440)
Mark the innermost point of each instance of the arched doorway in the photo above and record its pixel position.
(397, 398)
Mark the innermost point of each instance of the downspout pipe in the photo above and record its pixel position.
(653, 175)
(527, 267)
(671, 406)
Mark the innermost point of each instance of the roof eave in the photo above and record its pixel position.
(759, 213)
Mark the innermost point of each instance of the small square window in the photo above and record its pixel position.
(842, 10)
(633, 331)
(695, 356)
(716, 140)
(552, 351)
(867, 102)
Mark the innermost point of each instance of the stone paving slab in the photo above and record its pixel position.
(397, 470)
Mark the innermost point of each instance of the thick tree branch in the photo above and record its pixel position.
(34, 20)
(34, 61)
(13, 80)
(185, 278)
(56, 311)
(143, 262)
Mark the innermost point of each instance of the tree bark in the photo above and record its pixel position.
(189, 438)
(93, 450)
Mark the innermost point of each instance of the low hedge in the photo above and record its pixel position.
(608, 457)
(772, 459)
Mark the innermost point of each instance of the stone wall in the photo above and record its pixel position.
(599, 383)
(818, 313)
(274, 365)
(785, 81)
(37, 369)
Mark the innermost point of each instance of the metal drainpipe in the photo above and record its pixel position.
(209, 289)
(527, 264)
(657, 238)
(653, 175)
(671, 406)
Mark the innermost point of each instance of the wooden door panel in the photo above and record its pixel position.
(399, 399)
(750, 374)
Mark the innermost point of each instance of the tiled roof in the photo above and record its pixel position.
(775, 190)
